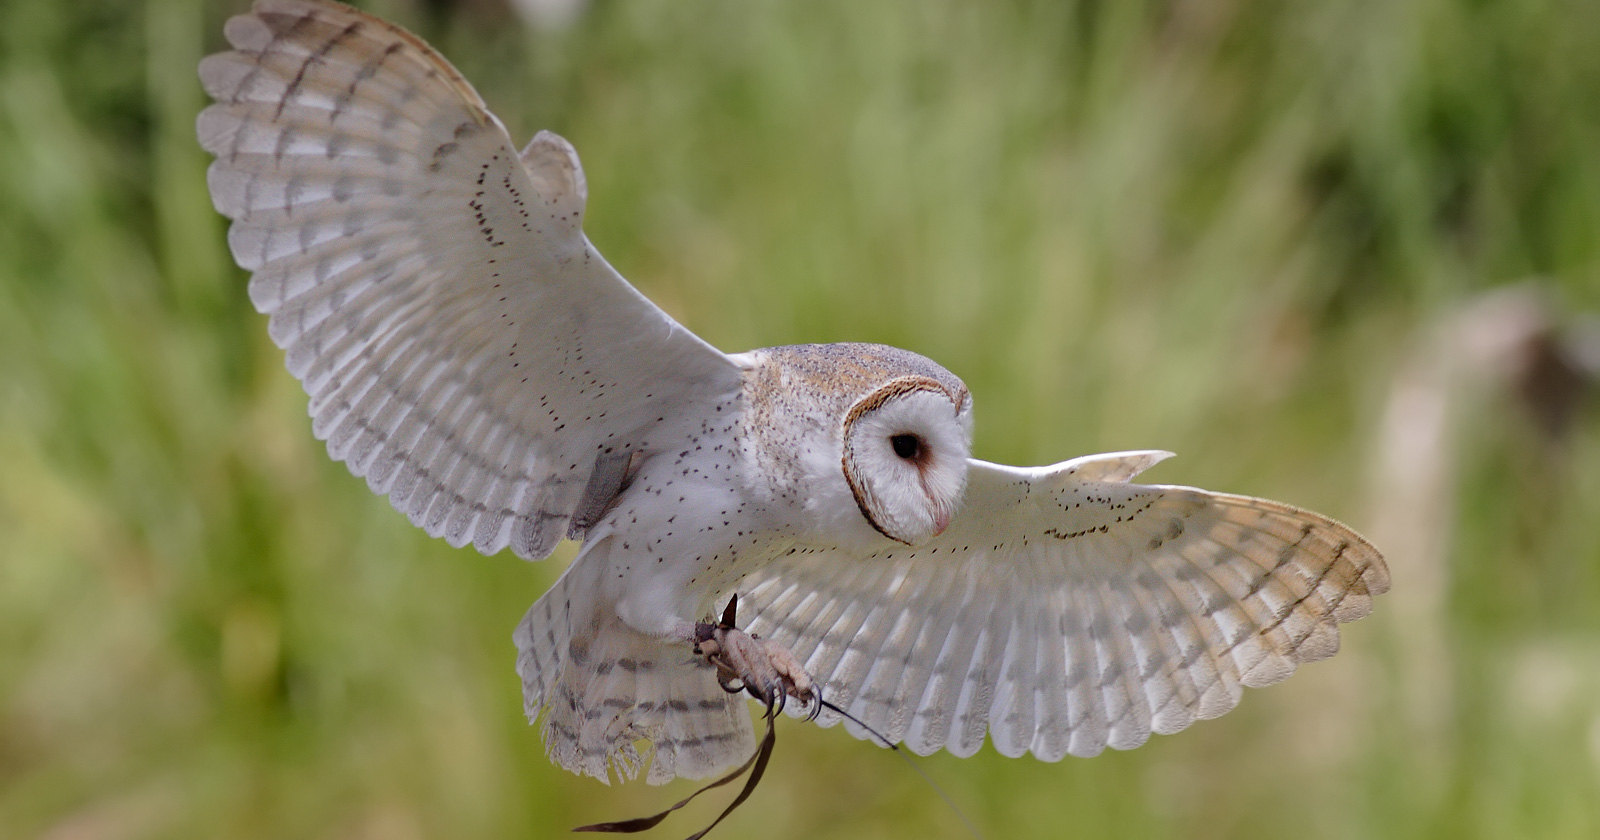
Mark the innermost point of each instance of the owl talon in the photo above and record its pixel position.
(816, 707)
(766, 669)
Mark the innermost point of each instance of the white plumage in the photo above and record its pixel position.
(469, 353)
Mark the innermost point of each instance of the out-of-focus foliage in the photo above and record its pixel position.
(1345, 254)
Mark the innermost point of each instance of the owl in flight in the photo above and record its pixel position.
(469, 352)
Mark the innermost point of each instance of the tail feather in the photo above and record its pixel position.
(603, 687)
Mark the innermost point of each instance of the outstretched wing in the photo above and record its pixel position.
(464, 346)
(1066, 610)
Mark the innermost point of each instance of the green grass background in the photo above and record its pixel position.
(1244, 231)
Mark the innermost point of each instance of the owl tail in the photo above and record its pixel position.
(603, 687)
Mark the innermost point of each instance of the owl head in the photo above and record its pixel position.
(879, 438)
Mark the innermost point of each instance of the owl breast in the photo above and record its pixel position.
(689, 523)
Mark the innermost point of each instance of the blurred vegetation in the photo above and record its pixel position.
(1346, 254)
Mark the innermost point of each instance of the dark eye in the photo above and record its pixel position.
(906, 446)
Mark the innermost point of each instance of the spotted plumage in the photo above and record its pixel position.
(468, 352)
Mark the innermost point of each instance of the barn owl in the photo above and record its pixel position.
(469, 353)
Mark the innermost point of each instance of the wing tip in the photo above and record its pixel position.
(1114, 467)
(553, 165)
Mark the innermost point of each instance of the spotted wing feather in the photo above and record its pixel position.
(1066, 610)
(464, 346)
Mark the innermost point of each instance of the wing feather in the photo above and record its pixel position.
(914, 675)
(464, 347)
(1014, 703)
(1067, 610)
(978, 692)
(1128, 711)
(940, 688)
(947, 704)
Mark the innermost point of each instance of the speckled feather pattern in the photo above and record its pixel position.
(469, 353)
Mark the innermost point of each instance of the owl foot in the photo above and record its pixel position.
(746, 662)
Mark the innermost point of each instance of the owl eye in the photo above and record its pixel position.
(907, 446)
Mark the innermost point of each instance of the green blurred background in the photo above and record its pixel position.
(1345, 254)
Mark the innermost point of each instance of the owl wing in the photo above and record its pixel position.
(464, 346)
(1066, 610)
